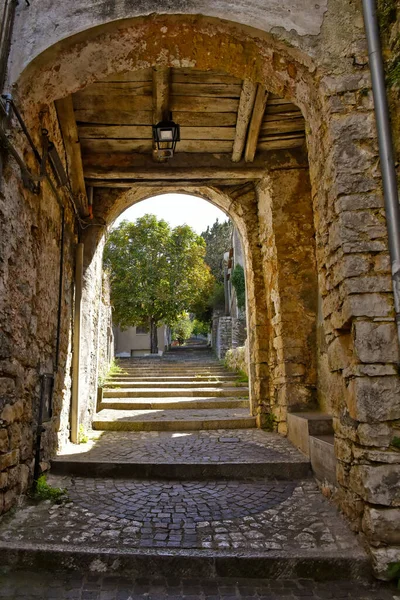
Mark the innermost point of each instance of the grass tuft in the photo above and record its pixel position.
(44, 491)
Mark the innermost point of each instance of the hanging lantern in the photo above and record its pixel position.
(165, 135)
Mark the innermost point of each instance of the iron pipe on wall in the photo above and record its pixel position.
(389, 178)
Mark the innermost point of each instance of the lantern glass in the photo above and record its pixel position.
(166, 135)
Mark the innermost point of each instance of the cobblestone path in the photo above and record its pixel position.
(34, 586)
(202, 506)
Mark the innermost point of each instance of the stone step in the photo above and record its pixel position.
(172, 420)
(150, 562)
(168, 378)
(141, 392)
(223, 454)
(258, 529)
(192, 384)
(174, 403)
(181, 369)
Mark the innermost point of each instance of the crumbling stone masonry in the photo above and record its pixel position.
(321, 327)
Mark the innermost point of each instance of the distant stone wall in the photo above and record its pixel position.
(224, 336)
(239, 333)
(236, 359)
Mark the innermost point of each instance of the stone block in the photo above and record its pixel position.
(374, 399)
(3, 480)
(343, 450)
(323, 459)
(8, 460)
(382, 524)
(12, 412)
(356, 225)
(10, 498)
(365, 455)
(24, 478)
(370, 305)
(375, 370)
(338, 353)
(303, 425)
(377, 434)
(7, 386)
(376, 342)
(378, 484)
(359, 202)
(4, 440)
(15, 435)
(382, 558)
(369, 284)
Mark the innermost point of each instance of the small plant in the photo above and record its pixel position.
(394, 572)
(242, 377)
(239, 283)
(83, 438)
(44, 491)
(396, 442)
(113, 369)
(269, 422)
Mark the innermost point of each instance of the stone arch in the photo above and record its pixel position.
(330, 82)
(203, 43)
(108, 205)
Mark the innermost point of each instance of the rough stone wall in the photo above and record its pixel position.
(30, 234)
(105, 344)
(327, 75)
(224, 336)
(288, 247)
(236, 359)
(238, 332)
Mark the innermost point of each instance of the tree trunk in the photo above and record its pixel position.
(153, 337)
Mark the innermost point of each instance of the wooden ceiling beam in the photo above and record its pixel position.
(246, 104)
(69, 130)
(134, 161)
(255, 123)
(196, 183)
(174, 173)
(161, 101)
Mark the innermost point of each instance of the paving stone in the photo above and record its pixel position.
(58, 586)
(289, 516)
(217, 446)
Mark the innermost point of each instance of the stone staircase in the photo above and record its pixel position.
(188, 390)
(174, 483)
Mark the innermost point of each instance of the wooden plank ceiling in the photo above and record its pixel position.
(224, 121)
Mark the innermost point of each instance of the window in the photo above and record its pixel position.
(142, 329)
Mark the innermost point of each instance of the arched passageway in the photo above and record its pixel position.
(320, 304)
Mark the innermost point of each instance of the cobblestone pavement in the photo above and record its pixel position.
(155, 416)
(34, 586)
(250, 516)
(219, 446)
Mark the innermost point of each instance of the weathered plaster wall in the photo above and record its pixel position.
(42, 25)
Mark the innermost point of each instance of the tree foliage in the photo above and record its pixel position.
(156, 272)
(218, 241)
(238, 282)
(182, 328)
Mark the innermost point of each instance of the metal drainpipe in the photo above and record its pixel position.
(389, 178)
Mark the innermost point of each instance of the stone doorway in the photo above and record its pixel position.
(312, 223)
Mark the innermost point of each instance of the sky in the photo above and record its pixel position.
(176, 209)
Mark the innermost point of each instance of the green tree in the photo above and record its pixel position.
(182, 328)
(239, 283)
(156, 272)
(218, 241)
